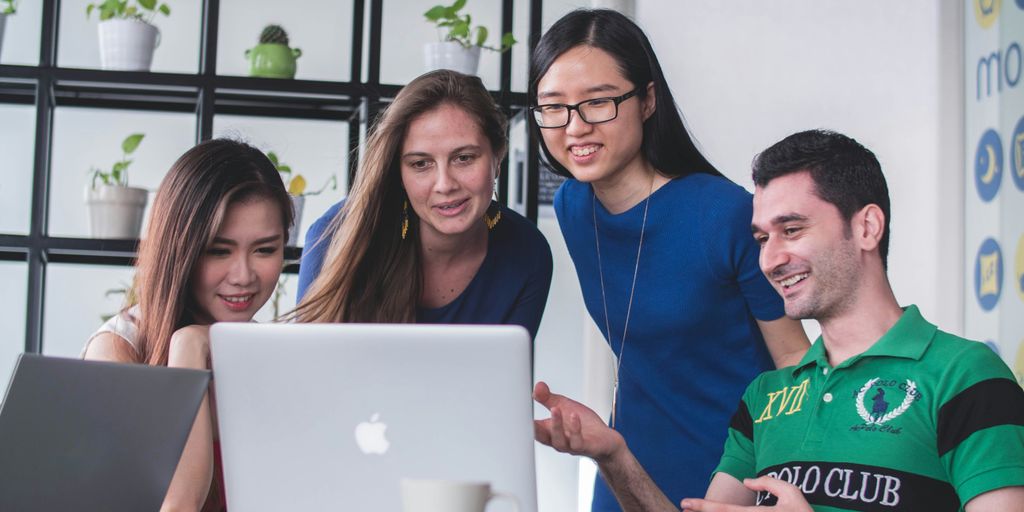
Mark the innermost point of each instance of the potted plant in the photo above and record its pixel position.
(7, 8)
(127, 34)
(296, 185)
(115, 209)
(272, 58)
(459, 49)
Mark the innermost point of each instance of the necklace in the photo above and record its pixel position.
(629, 305)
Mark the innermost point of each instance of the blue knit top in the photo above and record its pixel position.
(692, 344)
(511, 286)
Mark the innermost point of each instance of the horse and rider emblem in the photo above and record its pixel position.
(880, 412)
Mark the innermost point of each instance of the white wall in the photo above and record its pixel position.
(747, 73)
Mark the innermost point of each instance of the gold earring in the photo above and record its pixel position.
(405, 219)
(492, 221)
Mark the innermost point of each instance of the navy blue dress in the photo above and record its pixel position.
(511, 286)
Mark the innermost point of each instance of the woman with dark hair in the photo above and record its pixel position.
(662, 247)
(419, 239)
(212, 252)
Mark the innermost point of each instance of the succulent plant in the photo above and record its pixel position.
(274, 34)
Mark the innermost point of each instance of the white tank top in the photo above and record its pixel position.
(122, 324)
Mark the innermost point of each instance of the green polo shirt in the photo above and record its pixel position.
(922, 420)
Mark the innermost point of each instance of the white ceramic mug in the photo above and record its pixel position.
(449, 496)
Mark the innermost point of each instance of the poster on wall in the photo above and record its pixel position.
(994, 174)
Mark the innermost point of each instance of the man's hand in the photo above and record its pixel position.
(790, 498)
(574, 428)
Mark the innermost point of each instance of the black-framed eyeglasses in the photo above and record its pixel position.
(592, 111)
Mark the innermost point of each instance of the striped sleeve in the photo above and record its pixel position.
(980, 425)
(738, 458)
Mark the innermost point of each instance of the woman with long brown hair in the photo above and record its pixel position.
(212, 252)
(419, 238)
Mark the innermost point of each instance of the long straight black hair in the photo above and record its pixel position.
(667, 145)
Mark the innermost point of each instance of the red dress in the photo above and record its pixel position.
(216, 501)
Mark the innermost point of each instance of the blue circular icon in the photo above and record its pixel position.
(1017, 152)
(991, 344)
(988, 165)
(1020, 3)
(988, 274)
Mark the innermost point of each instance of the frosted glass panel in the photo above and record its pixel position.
(17, 141)
(520, 51)
(313, 148)
(77, 300)
(178, 44)
(321, 30)
(14, 275)
(518, 139)
(85, 138)
(20, 43)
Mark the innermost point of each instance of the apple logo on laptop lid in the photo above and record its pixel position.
(370, 436)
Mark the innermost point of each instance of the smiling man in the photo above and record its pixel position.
(876, 416)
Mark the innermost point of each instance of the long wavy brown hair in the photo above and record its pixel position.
(187, 213)
(370, 274)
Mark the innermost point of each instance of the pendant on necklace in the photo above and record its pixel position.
(615, 400)
(604, 296)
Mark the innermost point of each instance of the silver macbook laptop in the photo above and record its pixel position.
(332, 417)
(87, 435)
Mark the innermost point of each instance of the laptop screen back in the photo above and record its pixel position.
(332, 417)
(87, 435)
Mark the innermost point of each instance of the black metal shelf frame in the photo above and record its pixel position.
(204, 94)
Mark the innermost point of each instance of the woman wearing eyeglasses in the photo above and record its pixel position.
(662, 247)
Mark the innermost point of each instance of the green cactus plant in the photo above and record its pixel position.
(272, 57)
(274, 34)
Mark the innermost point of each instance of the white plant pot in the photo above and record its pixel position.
(3, 21)
(115, 211)
(453, 56)
(298, 202)
(127, 45)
